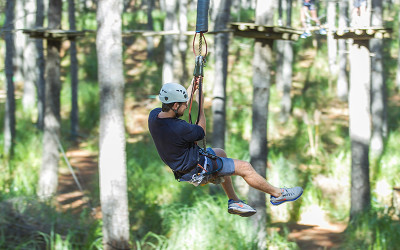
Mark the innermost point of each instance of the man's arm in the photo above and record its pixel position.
(190, 88)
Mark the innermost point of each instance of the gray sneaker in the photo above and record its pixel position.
(240, 208)
(288, 194)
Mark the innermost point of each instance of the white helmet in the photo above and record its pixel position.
(173, 92)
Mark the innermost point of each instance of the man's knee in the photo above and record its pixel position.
(243, 168)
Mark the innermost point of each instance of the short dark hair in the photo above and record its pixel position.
(167, 107)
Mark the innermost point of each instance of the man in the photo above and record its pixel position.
(309, 6)
(175, 140)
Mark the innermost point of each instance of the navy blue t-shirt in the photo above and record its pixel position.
(175, 141)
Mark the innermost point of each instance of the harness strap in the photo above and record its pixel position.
(214, 159)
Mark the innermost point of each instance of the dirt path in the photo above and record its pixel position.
(310, 237)
(84, 164)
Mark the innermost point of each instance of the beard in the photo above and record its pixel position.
(177, 114)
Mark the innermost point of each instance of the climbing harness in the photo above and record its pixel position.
(197, 179)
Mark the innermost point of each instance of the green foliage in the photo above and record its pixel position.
(137, 20)
(374, 229)
(201, 225)
(86, 20)
(145, 82)
(88, 102)
(243, 15)
(205, 228)
(20, 173)
(391, 160)
(29, 224)
(88, 59)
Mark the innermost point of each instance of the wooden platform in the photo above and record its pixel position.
(56, 34)
(363, 33)
(252, 30)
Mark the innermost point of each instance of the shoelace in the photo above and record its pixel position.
(240, 201)
(285, 192)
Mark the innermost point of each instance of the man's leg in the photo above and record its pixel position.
(228, 188)
(227, 184)
(255, 180)
(303, 16)
(235, 205)
(247, 172)
(314, 17)
(278, 195)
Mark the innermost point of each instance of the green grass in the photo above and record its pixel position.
(375, 229)
(29, 224)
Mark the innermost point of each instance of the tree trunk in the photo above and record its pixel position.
(289, 13)
(150, 39)
(169, 40)
(48, 180)
(182, 42)
(378, 85)
(112, 154)
(20, 41)
(29, 59)
(398, 63)
(280, 47)
(280, 12)
(9, 117)
(287, 70)
(360, 126)
(332, 43)
(261, 88)
(220, 74)
(342, 87)
(74, 74)
(40, 62)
